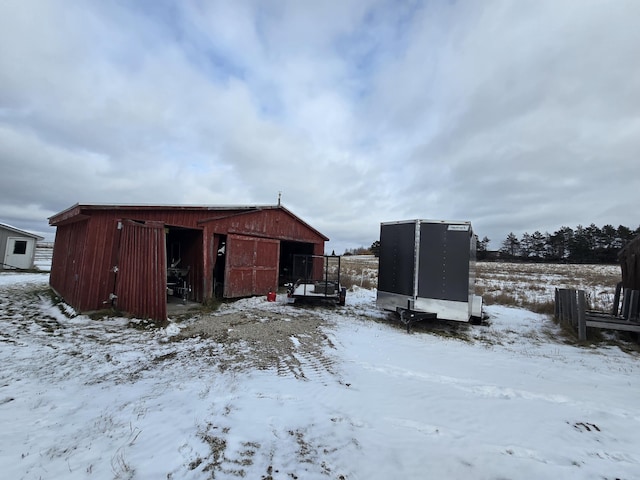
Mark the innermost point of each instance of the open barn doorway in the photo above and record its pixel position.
(184, 264)
(287, 252)
(220, 246)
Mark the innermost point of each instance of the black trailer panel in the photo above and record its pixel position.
(444, 262)
(427, 270)
(396, 270)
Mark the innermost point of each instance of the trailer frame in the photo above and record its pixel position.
(316, 278)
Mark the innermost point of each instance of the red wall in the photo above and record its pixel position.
(87, 248)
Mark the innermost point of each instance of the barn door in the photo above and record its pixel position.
(252, 266)
(141, 280)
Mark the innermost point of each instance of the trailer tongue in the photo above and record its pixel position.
(427, 271)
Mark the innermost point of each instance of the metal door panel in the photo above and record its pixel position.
(252, 265)
(142, 270)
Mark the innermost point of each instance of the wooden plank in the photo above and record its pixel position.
(606, 319)
(582, 324)
(625, 303)
(564, 305)
(616, 300)
(629, 327)
(633, 305)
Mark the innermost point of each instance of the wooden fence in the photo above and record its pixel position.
(571, 311)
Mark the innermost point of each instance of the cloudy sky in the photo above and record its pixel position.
(515, 115)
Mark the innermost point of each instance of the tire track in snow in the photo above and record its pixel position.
(470, 386)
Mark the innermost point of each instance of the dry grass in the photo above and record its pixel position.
(360, 270)
(527, 285)
(532, 285)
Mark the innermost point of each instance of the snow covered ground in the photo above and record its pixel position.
(82, 398)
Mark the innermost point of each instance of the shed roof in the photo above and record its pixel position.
(20, 232)
(81, 211)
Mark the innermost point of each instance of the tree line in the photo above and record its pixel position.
(573, 245)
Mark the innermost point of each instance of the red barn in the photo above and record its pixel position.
(138, 257)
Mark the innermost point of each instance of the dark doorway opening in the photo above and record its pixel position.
(184, 264)
(220, 242)
(287, 252)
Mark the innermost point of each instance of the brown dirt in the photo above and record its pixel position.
(293, 343)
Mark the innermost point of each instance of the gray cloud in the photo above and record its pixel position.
(518, 117)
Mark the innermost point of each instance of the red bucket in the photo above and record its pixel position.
(271, 297)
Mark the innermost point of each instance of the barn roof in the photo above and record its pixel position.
(81, 211)
(21, 232)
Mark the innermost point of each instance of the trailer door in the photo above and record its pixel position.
(141, 279)
(397, 258)
(444, 261)
(252, 265)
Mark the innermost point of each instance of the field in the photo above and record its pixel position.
(527, 285)
(268, 390)
(532, 285)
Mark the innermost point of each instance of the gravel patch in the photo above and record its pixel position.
(291, 340)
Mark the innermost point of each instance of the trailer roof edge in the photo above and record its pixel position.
(446, 222)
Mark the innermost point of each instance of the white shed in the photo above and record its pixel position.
(17, 248)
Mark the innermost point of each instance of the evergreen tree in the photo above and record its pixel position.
(481, 248)
(375, 248)
(606, 251)
(583, 245)
(579, 246)
(625, 234)
(511, 246)
(525, 245)
(538, 245)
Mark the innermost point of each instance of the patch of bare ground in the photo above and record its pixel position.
(292, 343)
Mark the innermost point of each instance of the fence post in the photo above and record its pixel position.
(574, 307)
(616, 300)
(582, 320)
(559, 309)
(634, 301)
(563, 301)
(626, 297)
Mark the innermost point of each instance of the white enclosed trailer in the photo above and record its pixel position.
(427, 270)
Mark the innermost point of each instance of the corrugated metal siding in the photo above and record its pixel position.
(67, 261)
(252, 266)
(141, 278)
(99, 259)
(85, 251)
(105, 221)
